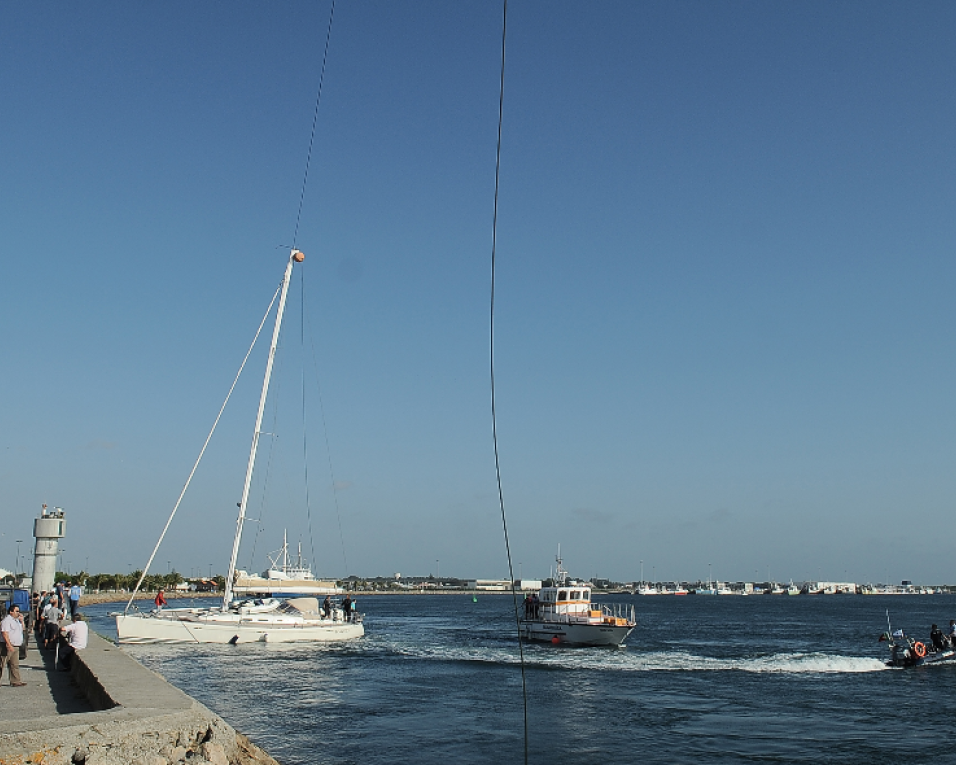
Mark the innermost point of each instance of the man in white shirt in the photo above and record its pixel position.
(12, 629)
(76, 635)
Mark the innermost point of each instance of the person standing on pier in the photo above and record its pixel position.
(75, 593)
(51, 623)
(12, 629)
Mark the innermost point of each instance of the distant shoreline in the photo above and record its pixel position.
(95, 598)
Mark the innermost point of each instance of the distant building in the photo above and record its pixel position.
(528, 584)
(493, 585)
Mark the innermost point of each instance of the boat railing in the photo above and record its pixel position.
(618, 613)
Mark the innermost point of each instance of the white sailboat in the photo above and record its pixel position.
(270, 620)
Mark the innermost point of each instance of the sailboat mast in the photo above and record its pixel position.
(295, 257)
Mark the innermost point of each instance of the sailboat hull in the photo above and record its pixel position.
(198, 627)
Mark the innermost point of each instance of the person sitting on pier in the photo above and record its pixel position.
(936, 635)
(76, 635)
(160, 599)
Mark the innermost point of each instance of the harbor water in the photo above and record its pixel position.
(703, 679)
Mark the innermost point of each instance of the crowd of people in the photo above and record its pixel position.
(57, 622)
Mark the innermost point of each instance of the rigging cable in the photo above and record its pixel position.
(305, 440)
(494, 422)
(315, 119)
(295, 235)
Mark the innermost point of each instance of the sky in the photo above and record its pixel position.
(724, 330)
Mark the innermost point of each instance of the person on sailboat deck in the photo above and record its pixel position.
(160, 598)
(347, 608)
(327, 606)
(952, 632)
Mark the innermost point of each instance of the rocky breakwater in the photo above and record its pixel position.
(134, 717)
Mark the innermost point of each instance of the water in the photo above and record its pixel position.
(768, 679)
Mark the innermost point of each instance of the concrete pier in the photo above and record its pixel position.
(111, 710)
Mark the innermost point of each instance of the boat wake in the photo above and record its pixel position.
(656, 661)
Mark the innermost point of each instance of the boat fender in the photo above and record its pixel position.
(920, 649)
(555, 640)
(233, 640)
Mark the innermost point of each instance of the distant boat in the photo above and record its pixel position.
(566, 615)
(283, 577)
(793, 589)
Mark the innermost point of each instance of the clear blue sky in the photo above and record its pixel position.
(725, 286)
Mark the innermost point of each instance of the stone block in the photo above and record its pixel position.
(214, 753)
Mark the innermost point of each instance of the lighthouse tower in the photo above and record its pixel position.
(48, 529)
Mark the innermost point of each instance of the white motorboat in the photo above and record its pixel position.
(241, 621)
(564, 614)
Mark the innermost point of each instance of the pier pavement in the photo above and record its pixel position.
(111, 710)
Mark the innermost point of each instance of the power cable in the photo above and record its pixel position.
(494, 420)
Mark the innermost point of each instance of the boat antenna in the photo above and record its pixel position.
(494, 423)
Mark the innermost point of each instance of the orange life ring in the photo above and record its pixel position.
(919, 649)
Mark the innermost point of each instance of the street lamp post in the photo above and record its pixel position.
(18, 557)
